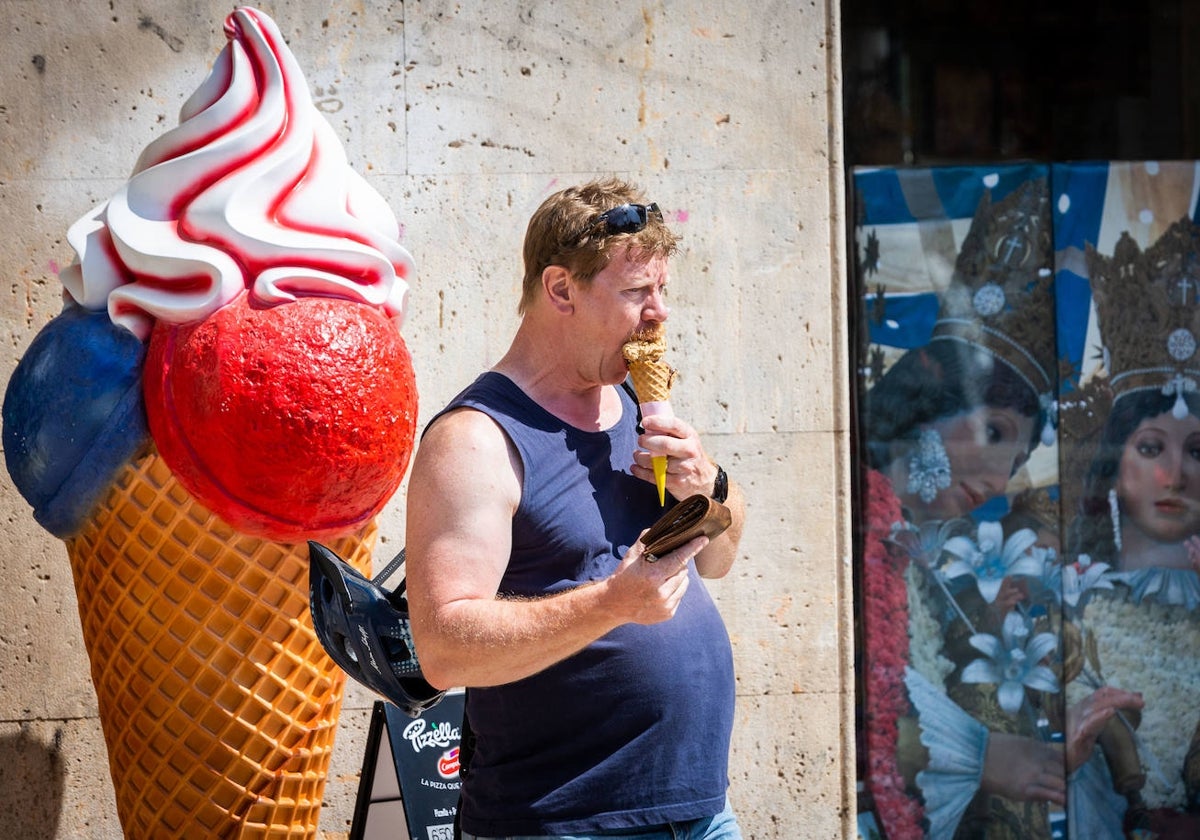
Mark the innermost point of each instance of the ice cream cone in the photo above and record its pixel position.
(218, 705)
(652, 380)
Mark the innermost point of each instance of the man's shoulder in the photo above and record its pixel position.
(463, 425)
(465, 444)
(491, 391)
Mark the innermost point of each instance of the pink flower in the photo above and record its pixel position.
(885, 624)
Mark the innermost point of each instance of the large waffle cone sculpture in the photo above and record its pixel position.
(218, 705)
(652, 380)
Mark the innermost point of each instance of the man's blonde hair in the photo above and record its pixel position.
(564, 231)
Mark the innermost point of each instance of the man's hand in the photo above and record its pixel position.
(647, 592)
(689, 469)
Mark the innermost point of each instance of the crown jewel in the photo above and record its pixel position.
(1000, 297)
(1148, 303)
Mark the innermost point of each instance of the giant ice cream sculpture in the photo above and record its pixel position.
(227, 380)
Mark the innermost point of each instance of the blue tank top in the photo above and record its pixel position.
(632, 731)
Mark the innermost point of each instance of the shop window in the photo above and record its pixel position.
(1029, 505)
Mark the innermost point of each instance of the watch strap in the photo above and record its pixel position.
(720, 486)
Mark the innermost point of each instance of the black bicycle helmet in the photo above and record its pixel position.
(365, 629)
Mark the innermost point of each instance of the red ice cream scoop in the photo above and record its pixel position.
(291, 422)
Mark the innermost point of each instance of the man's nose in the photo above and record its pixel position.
(656, 308)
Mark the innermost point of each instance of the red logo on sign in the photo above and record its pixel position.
(448, 764)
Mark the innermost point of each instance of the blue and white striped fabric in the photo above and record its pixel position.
(911, 225)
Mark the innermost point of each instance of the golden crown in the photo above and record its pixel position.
(1148, 303)
(1082, 412)
(1000, 297)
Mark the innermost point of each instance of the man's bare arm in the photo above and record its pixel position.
(464, 490)
(716, 560)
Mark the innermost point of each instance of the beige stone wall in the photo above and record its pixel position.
(464, 116)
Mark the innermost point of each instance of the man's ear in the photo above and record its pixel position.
(560, 290)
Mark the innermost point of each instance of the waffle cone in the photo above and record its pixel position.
(218, 704)
(652, 380)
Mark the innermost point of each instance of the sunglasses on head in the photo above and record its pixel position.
(626, 218)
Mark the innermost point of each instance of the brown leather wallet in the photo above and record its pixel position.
(692, 517)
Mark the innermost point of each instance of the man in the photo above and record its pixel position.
(600, 683)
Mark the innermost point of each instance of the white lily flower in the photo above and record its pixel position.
(923, 543)
(989, 559)
(1013, 662)
(1081, 576)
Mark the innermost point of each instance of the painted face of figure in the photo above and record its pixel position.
(984, 446)
(1158, 483)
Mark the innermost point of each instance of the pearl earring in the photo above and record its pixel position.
(1114, 512)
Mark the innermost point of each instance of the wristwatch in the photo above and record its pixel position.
(720, 486)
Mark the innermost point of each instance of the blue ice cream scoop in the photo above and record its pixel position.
(73, 415)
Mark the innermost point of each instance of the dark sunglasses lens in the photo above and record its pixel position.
(628, 218)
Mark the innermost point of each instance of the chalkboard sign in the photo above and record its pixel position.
(409, 784)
